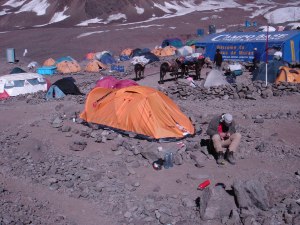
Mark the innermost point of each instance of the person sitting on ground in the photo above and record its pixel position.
(218, 59)
(222, 132)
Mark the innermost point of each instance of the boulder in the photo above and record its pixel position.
(251, 194)
(216, 203)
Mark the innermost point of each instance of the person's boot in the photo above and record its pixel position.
(220, 158)
(231, 158)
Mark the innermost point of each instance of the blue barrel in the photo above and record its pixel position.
(200, 32)
(254, 24)
(10, 55)
(247, 23)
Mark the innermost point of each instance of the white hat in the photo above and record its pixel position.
(227, 118)
(255, 49)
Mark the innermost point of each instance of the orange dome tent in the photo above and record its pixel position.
(95, 66)
(163, 52)
(138, 109)
(127, 51)
(68, 67)
(49, 62)
(290, 75)
(90, 56)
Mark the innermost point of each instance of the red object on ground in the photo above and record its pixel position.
(204, 184)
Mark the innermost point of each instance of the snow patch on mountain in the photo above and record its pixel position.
(116, 17)
(139, 10)
(14, 3)
(87, 22)
(37, 6)
(90, 33)
(283, 15)
(59, 16)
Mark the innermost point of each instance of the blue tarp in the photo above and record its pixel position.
(238, 46)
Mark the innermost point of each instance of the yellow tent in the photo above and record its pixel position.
(127, 51)
(95, 66)
(68, 67)
(163, 52)
(138, 109)
(290, 75)
(49, 62)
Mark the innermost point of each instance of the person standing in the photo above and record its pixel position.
(222, 132)
(256, 58)
(218, 59)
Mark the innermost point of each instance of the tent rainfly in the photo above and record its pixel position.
(142, 110)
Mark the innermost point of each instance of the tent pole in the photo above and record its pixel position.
(267, 55)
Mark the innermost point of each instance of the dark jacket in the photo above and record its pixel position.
(218, 59)
(256, 57)
(215, 122)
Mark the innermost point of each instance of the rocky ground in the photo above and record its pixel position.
(57, 171)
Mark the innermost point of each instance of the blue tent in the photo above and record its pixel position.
(65, 58)
(273, 70)
(54, 92)
(176, 42)
(239, 46)
(151, 57)
(107, 58)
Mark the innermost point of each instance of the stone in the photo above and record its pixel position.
(261, 120)
(66, 129)
(251, 193)
(187, 202)
(215, 203)
(178, 159)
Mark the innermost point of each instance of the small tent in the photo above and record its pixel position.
(68, 67)
(54, 92)
(126, 54)
(151, 57)
(273, 70)
(137, 109)
(90, 56)
(176, 42)
(17, 70)
(22, 83)
(215, 78)
(95, 66)
(114, 83)
(125, 83)
(107, 82)
(184, 51)
(107, 58)
(49, 62)
(62, 87)
(65, 58)
(290, 75)
(166, 51)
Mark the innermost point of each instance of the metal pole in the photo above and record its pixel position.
(267, 55)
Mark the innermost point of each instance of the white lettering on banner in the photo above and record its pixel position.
(248, 38)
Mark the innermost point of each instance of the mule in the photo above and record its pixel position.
(139, 70)
(171, 67)
(195, 65)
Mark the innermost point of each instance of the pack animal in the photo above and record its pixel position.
(195, 65)
(168, 67)
(139, 70)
